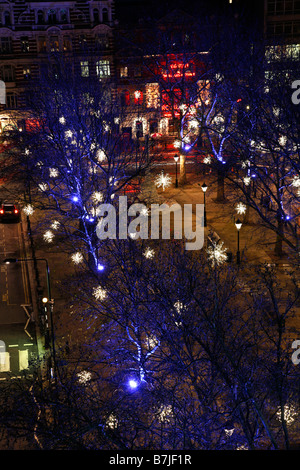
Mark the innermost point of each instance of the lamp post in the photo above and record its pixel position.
(238, 225)
(204, 188)
(45, 300)
(176, 158)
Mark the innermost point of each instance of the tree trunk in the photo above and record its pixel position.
(182, 177)
(221, 187)
(279, 237)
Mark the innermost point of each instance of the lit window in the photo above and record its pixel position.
(26, 73)
(138, 97)
(24, 44)
(103, 68)
(124, 71)
(84, 65)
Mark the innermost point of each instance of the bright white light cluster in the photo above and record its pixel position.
(163, 180)
(77, 257)
(48, 236)
(84, 377)
(99, 293)
(149, 253)
(55, 224)
(97, 196)
(289, 413)
(165, 414)
(53, 172)
(241, 208)
(217, 254)
(112, 421)
(29, 210)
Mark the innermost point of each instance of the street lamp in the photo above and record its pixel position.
(204, 188)
(238, 225)
(176, 158)
(45, 300)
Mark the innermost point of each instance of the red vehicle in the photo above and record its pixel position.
(9, 211)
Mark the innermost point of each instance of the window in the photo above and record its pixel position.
(40, 17)
(102, 41)
(105, 15)
(7, 20)
(54, 44)
(5, 45)
(84, 66)
(124, 71)
(138, 97)
(51, 16)
(42, 44)
(63, 16)
(8, 73)
(125, 98)
(24, 44)
(26, 73)
(11, 100)
(103, 68)
(96, 15)
(82, 42)
(67, 45)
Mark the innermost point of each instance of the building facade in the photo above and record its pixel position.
(32, 32)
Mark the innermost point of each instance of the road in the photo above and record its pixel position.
(17, 346)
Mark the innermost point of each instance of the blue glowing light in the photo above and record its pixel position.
(75, 198)
(100, 267)
(133, 384)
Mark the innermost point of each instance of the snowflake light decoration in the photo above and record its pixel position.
(68, 133)
(241, 208)
(207, 160)
(53, 172)
(48, 236)
(97, 196)
(289, 413)
(84, 377)
(149, 253)
(217, 254)
(29, 210)
(55, 224)
(152, 342)
(43, 186)
(100, 155)
(177, 144)
(112, 421)
(247, 180)
(77, 257)
(62, 120)
(165, 414)
(99, 293)
(163, 180)
(296, 181)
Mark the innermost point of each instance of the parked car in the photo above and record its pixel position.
(9, 211)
